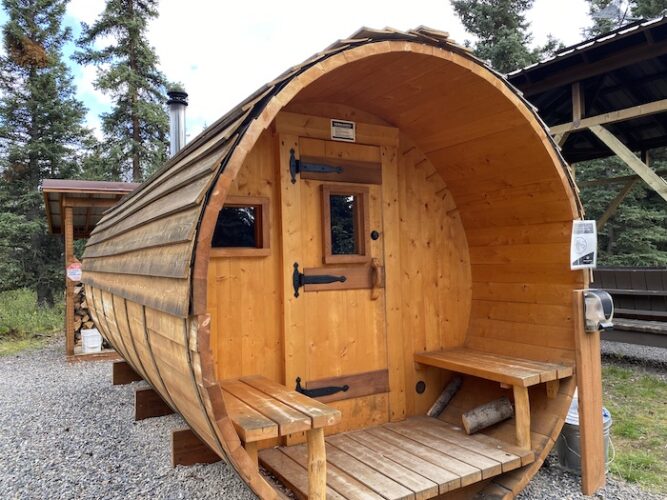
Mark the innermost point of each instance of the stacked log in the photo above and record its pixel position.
(82, 317)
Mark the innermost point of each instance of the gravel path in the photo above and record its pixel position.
(67, 433)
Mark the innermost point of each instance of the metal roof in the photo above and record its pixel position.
(621, 69)
(91, 200)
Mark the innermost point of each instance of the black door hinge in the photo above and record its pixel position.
(320, 392)
(299, 279)
(298, 166)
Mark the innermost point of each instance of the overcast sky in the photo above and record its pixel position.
(223, 50)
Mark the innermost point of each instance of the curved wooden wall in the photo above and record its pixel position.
(147, 263)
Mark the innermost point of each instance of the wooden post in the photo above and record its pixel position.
(317, 465)
(149, 404)
(589, 386)
(522, 416)
(122, 374)
(69, 284)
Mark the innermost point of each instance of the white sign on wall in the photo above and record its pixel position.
(584, 245)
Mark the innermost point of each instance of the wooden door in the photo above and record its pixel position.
(332, 227)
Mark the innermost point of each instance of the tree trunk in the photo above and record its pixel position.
(136, 135)
(44, 295)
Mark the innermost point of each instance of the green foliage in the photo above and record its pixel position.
(136, 128)
(502, 32)
(23, 322)
(639, 429)
(637, 234)
(618, 14)
(41, 135)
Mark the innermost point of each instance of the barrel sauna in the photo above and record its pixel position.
(401, 162)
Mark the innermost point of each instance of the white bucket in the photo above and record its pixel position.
(91, 340)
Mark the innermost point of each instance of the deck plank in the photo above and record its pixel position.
(468, 474)
(378, 482)
(338, 480)
(422, 488)
(418, 458)
(435, 427)
(294, 475)
(412, 430)
(445, 479)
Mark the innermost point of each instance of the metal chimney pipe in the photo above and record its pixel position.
(178, 101)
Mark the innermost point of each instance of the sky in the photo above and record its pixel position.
(223, 50)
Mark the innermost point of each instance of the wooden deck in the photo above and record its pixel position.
(418, 458)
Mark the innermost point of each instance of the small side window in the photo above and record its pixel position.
(345, 224)
(242, 228)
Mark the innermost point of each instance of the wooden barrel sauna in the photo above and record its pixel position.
(401, 162)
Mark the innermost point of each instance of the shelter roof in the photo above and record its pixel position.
(617, 70)
(88, 199)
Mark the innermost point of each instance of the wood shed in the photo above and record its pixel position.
(329, 255)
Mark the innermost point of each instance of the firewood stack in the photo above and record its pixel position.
(82, 317)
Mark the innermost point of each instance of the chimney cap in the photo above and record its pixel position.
(177, 97)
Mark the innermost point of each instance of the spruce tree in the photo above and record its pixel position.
(41, 135)
(502, 32)
(136, 129)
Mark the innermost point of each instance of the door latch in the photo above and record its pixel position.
(299, 279)
(298, 166)
(321, 391)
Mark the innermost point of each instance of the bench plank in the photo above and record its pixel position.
(320, 414)
(498, 372)
(288, 419)
(250, 424)
(502, 369)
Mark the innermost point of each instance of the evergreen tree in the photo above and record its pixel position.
(608, 15)
(136, 129)
(502, 32)
(41, 135)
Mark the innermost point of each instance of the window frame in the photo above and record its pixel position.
(362, 194)
(262, 228)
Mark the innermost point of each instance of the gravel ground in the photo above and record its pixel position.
(67, 433)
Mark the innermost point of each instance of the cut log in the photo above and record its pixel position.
(486, 415)
(443, 400)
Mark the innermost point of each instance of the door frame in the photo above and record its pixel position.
(289, 127)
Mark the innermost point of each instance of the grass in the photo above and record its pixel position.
(637, 401)
(23, 324)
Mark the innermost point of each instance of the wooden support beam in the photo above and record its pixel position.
(188, 449)
(89, 202)
(615, 203)
(611, 117)
(656, 182)
(68, 230)
(122, 373)
(621, 179)
(577, 104)
(148, 404)
(589, 387)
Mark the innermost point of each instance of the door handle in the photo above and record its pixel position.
(299, 279)
(376, 278)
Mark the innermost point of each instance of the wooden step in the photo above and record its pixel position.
(418, 458)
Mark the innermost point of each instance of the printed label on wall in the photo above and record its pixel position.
(342, 130)
(584, 246)
(74, 271)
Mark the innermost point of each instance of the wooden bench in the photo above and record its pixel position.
(508, 371)
(262, 409)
